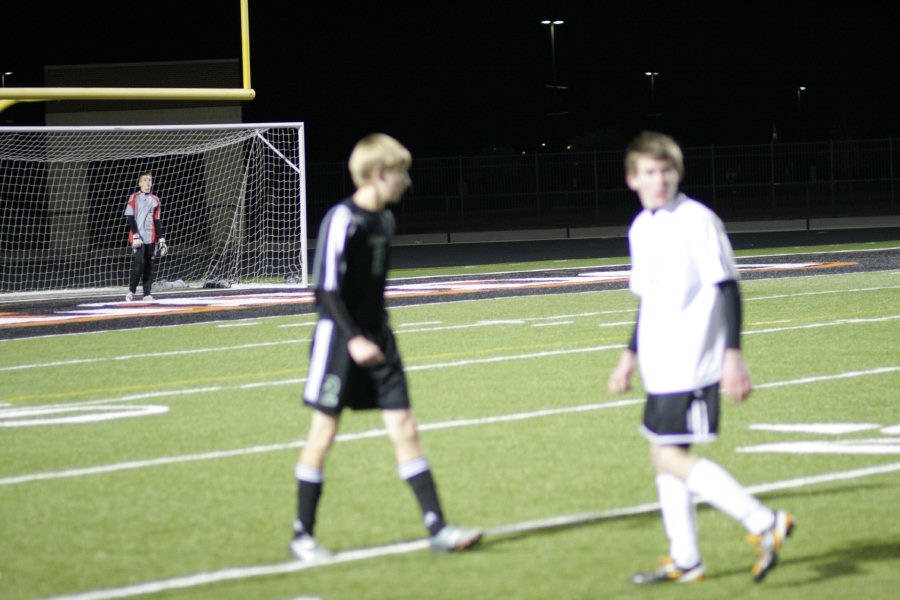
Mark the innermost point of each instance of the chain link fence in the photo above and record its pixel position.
(587, 189)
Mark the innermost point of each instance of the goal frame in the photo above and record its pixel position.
(299, 168)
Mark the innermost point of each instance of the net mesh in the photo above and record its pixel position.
(233, 204)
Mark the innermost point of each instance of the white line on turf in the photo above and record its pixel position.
(822, 292)
(821, 325)
(128, 357)
(347, 437)
(239, 573)
(238, 452)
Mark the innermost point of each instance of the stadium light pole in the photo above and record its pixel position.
(800, 91)
(553, 25)
(5, 73)
(652, 75)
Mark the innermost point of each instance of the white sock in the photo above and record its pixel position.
(714, 485)
(679, 519)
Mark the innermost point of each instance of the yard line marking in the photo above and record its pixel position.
(822, 292)
(288, 325)
(498, 359)
(51, 475)
(80, 361)
(346, 437)
(355, 555)
(820, 378)
(553, 324)
(820, 325)
(250, 324)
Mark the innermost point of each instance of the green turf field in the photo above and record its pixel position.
(164, 464)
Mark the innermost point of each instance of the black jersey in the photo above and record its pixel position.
(351, 265)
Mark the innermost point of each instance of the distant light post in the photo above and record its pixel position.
(4, 74)
(553, 25)
(800, 91)
(652, 75)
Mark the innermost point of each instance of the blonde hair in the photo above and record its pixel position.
(658, 146)
(377, 152)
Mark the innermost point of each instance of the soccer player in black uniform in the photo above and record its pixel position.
(354, 360)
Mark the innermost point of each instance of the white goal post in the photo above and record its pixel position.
(233, 204)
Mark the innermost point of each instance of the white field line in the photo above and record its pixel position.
(542, 321)
(820, 378)
(836, 323)
(466, 300)
(347, 437)
(240, 573)
(625, 265)
(822, 292)
(82, 361)
(218, 454)
(497, 359)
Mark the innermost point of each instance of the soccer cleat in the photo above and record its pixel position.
(148, 298)
(769, 543)
(306, 548)
(129, 297)
(453, 538)
(669, 572)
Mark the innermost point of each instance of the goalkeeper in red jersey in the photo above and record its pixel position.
(145, 236)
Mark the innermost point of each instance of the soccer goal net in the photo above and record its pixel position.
(233, 204)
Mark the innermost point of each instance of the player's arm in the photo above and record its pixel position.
(735, 377)
(620, 378)
(362, 350)
(135, 234)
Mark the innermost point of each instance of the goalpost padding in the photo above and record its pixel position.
(233, 203)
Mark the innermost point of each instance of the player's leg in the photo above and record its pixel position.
(310, 467)
(147, 250)
(310, 479)
(326, 385)
(413, 467)
(693, 417)
(137, 271)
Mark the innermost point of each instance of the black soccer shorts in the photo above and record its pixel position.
(335, 382)
(682, 418)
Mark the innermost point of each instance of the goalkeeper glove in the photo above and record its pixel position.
(161, 247)
(136, 242)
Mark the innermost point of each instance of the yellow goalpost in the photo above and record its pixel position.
(13, 95)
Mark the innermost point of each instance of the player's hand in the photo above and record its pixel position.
(137, 243)
(620, 378)
(364, 351)
(735, 382)
(161, 247)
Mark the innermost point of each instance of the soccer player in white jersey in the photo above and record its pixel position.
(354, 360)
(686, 343)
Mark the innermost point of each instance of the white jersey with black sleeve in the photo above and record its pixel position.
(679, 255)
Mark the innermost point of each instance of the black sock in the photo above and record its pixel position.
(308, 494)
(419, 478)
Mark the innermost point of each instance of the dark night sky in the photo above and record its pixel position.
(459, 78)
